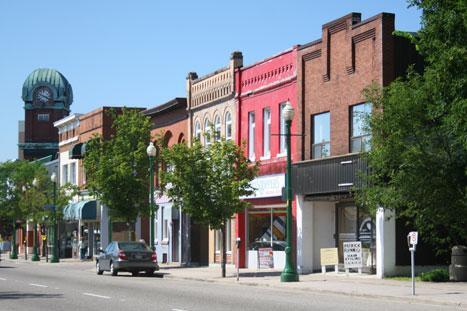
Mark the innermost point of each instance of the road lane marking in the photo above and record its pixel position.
(178, 310)
(97, 296)
(38, 285)
(2, 279)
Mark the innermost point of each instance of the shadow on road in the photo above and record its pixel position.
(259, 274)
(23, 295)
(7, 267)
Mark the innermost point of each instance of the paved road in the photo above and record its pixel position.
(75, 286)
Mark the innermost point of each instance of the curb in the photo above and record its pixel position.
(326, 291)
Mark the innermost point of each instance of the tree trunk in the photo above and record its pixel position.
(224, 249)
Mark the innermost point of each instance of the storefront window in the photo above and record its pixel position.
(267, 229)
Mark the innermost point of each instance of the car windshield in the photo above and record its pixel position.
(129, 246)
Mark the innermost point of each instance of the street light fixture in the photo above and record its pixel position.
(289, 274)
(54, 258)
(35, 255)
(151, 151)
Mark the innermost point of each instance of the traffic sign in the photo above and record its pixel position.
(413, 238)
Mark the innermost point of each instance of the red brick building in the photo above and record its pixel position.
(169, 123)
(262, 90)
(332, 73)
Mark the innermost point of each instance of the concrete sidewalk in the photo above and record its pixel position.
(452, 294)
(364, 285)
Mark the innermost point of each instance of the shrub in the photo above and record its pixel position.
(436, 275)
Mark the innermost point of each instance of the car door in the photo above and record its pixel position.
(106, 257)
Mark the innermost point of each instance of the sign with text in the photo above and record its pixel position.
(267, 186)
(352, 254)
(329, 256)
(413, 238)
(265, 257)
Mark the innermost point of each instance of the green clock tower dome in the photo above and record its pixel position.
(47, 97)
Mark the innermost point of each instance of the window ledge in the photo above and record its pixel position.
(281, 155)
(268, 157)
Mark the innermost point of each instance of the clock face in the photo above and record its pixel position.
(43, 95)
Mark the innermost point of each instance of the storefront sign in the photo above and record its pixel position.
(265, 257)
(352, 254)
(267, 186)
(329, 256)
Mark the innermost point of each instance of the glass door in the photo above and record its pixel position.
(346, 226)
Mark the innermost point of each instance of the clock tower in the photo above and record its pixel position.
(47, 96)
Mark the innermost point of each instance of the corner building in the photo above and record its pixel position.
(332, 73)
(262, 91)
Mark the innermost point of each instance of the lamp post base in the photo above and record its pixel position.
(13, 256)
(54, 259)
(35, 257)
(289, 276)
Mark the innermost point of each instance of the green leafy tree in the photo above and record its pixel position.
(208, 182)
(419, 146)
(117, 169)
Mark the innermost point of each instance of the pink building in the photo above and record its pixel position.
(262, 90)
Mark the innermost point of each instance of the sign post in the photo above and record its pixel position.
(412, 241)
(238, 241)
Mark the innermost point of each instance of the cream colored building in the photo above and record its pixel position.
(211, 104)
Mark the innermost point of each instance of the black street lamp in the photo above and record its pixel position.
(54, 257)
(289, 274)
(151, 151)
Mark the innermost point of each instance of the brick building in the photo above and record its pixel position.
(47, 97)
(169, 123)
(262, 90)
(332, 73)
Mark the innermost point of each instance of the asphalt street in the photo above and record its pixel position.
(75, 286)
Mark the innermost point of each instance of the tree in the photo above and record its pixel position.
(208, 182)
(117, 169)
(419, 145)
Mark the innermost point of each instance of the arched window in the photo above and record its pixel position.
(207, 132)
(197, 130)
(217, 127)
(228, 126)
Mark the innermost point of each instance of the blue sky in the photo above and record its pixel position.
(138, 53)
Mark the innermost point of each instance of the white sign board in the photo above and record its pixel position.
(267, 186)
(352, 254)
(265, 257)
(413, 238)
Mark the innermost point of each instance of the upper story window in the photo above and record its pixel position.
(321, 135)
(207, 132)
(282, 146)
(43, 117)
(266, 132)
(217, 127)
(360, 139)
(251, 136)
(228, 126)
(197, 131)
(73, 173)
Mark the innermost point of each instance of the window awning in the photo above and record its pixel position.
(77, 151)
(82, 210)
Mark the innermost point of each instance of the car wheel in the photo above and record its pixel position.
(113, 271)
(135, 273)
(98, 268)
(149, 272)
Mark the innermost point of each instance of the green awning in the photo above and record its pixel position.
(82, 210)
(77, 151)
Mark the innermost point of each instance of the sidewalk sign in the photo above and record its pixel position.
(412, 241)
(328, 257)
(353, 256)
(265, 257)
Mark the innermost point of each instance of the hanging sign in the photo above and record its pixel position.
(352, 254)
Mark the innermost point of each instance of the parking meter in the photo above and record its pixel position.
(238, 242)
(412, 241)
